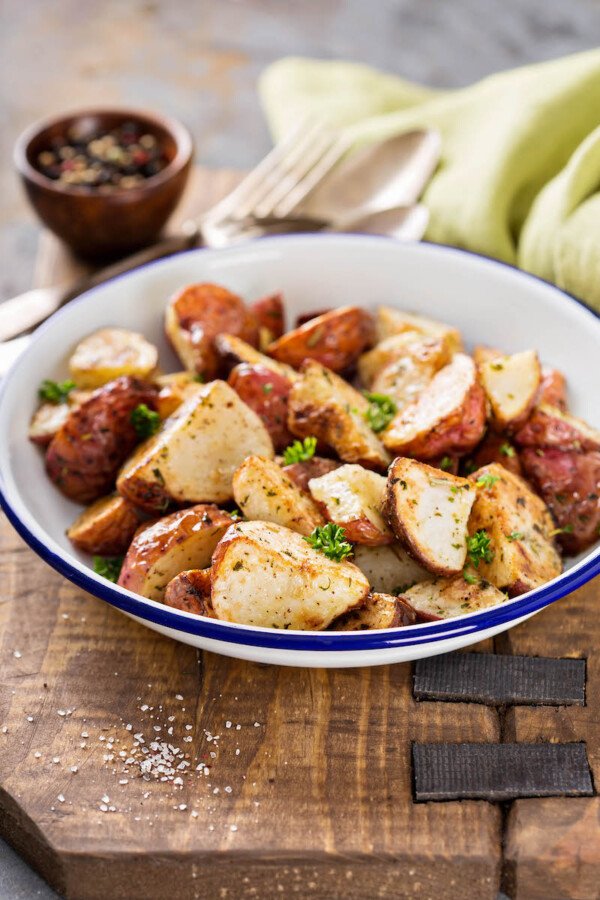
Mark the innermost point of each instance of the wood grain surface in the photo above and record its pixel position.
(291, 782)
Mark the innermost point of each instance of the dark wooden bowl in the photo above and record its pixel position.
(102, 226)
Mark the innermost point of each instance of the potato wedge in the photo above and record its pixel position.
(268, 576)
(389, 321)
(553, 389)
(428, 511)
(190, 592)
(324, 405)
(266, 392)
(519, 527)
(447, 418)
(109, 353)
(263, 491)
(46, 421)
(161, 550)
(494, 448)
(303, 318)
(84, 457)
(336, 339)
(196, 315)
(389, 569)
(269, 314)
(549, 426)
(193, 457)
(511, 384)
(106, 527)
(379, 611)
(233, 351)
(173, 389)
(302, 472)
(352, 497)
(446, 598)
(410, 352)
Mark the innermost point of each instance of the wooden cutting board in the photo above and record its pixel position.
(132, 766)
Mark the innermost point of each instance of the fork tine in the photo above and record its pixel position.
(287, 201)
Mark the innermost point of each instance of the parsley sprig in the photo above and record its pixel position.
(487, 480)
(55, 391)
(145, 421)
(479, 548)
(381, 411)
(300, 451)
(331, 541)
(108, 567)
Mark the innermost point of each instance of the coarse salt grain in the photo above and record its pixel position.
(37, 754)
(60, 798)
(105, 799)
(56, 759)
(178, 697)
(17, 654)
(74, 770)
(228, 724)
(234, 828)
(182, 806)
(30, 718)
(5, 729)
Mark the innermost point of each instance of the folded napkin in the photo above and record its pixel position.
(519, 178)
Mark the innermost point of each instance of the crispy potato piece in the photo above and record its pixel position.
(520, 530)
(549, 426)
(233, 351)
(553, 389)
(190, 592)
(193, 457)
(46, 421)
(447, 418)
(161, 550)
(390, 321)
(268, 576)
(495, 448)
(270, 317)
(303, 318)
(106, 527)
(324, 405)
(511, 384)
(109, 353)
(266, 392)
(483, 354)
(263, 491)
(379, 611)
(196, 315)
(409, 352)
(352, 497)
(336, 339)
(84, 456)
(389, 569)
(569, 482)
(429, 510)
(173, 389)
(446, 598)
(302, 472)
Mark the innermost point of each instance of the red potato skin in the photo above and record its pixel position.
(309, 316)
(84, 457)
(302, 472)
(404, 615)
(336, 339)
(544, 430)
(190, 592)
(489, 451)
(266, 392)
(269, 314)
(457, 434)
(206, 310)
(569, 483)
(552, 389)
(109, 534)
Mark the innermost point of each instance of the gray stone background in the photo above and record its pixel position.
(199, 60)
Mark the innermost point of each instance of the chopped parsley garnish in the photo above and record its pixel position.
(469, 578)
(55, 391)
(515, 536)
(331, 541)
(479, 548)
(236, 514)
(568, 529)
(267, 388)
(487, 480)
(199, 377)
(300, 451)
(145, 421)
(381, 411)
(507, 450)
(108, 567)
(446, 463)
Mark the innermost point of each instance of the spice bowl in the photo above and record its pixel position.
(99, 198)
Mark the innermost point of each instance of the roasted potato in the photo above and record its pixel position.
(336, 339)
(389, 569)
(352, 497)
(173, 389)
(270, 318)
(379, 611)
(268, 576)
(199, 312)
(428, 511)
(410, 354)
(495, 448)
(109, 353)
(519, 528)
(390, 321)
(263, 491)
(47, 421)
(303, 318)
(266, 392)
(325, 406)
(511, 384)
(233, 351)
(161, 550)
(84, 457)
(190, 592)
(446, 598)
(569, 482)
(302, 472)
(448, 417)
(193, 457)
(553, 389)
(106, 527)
(549, 426)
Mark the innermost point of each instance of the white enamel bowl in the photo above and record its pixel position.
(489, 302)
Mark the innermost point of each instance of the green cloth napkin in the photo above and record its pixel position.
(519, 178)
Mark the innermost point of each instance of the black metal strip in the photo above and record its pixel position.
(498, 680)
(500, 771)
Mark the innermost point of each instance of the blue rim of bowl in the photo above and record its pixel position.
(231, 633)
